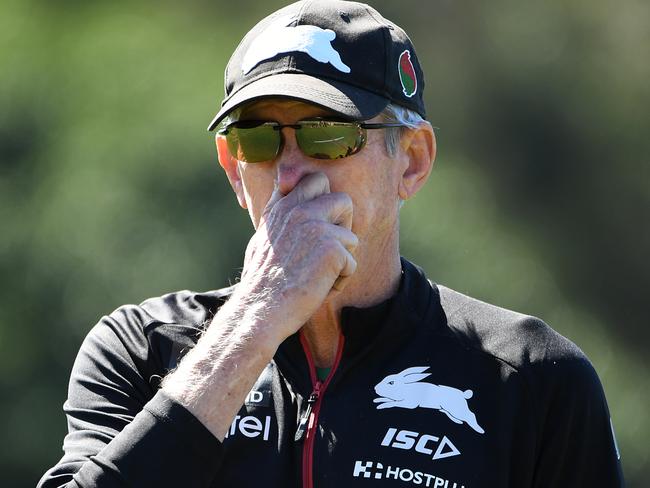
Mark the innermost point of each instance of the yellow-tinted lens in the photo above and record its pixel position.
(330, 140)
(254, 144)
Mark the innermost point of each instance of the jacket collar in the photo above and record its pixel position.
(387, 325)
(416, 302)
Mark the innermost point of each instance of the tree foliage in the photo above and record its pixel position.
(110, 191)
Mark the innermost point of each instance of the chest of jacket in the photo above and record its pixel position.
(432, 415)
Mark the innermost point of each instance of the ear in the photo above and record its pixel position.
(412, 370)
(419, 146)
(412, 378)
(231, 166)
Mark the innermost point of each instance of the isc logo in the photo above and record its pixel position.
(423, 443)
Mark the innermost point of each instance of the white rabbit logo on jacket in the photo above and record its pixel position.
(403, 390)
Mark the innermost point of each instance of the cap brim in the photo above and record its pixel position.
(346, 100)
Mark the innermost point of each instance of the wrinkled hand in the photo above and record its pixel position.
(300, 253)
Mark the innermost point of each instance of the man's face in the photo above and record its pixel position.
(371, 178)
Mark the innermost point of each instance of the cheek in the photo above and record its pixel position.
(374, 194)
(257, 186)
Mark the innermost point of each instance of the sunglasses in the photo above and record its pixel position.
(255, 141)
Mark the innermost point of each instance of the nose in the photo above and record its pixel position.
(291, 165)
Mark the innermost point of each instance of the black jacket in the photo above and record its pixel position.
(430, 388)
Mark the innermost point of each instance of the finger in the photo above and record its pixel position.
(346, 237)
(348, 270)
(345, 212)
(309, 187)
(350, 265)
(335, 208)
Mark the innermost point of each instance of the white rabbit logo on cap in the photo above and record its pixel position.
(279, 38)
(403, 390)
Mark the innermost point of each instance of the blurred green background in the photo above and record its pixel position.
(110, 191)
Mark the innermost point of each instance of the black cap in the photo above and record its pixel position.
(343, 56)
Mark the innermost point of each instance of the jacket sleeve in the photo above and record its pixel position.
(121, 432)
(578, 447)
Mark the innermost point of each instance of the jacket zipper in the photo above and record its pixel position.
(309, 419)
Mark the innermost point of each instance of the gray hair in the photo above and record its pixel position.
(410, 119)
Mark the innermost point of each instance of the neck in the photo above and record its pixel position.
(374, 281)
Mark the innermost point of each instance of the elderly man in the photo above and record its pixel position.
(332, 362)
